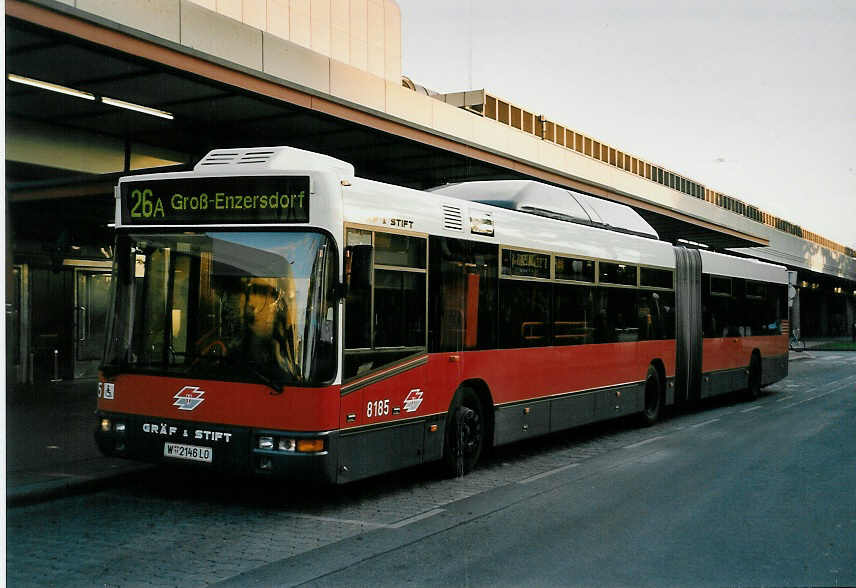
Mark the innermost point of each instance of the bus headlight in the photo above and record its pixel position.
(287, 444)
(105, 425)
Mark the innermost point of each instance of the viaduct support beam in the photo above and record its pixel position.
(180, 58)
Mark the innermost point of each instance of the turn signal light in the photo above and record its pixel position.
(310, 445)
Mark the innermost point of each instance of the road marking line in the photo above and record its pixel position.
(645, 442)
(697, 425)
(750, 409)
(335, 520)
(362, 523)
(815, 397)
(783, 398)
(415, 518)
(828, 357)
(550, 473)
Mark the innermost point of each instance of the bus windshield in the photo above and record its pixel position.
(247, 306)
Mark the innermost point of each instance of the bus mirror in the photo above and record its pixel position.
(358, 268)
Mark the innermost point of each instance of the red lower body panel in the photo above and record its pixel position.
(213, 401)
(735, 352)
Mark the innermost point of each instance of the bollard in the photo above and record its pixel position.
(56, 377)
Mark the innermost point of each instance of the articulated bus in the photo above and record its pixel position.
(273, 314)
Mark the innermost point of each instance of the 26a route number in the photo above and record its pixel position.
(145, 205)
(377, 408)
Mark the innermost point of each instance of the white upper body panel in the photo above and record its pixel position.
(739, 267)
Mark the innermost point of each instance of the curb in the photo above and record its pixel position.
(64, 485)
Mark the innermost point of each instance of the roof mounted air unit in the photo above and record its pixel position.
(552, 202)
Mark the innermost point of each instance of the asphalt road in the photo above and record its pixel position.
(760, 493)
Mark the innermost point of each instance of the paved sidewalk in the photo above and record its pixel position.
(817, 345)
(821, 343)
(50, 449)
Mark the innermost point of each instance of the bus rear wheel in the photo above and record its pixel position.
(753, 389)
(465, 431)
(653, 398)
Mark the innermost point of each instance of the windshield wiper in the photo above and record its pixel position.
(228, 360)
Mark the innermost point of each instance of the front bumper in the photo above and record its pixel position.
(233, 449)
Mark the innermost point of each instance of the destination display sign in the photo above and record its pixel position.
(216, 200)
(525, 264)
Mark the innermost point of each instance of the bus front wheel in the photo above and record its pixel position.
(465, 432)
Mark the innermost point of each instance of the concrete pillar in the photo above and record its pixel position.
(795, 312)
(850, 316)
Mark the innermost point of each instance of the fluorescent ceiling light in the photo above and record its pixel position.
(137, 107)
(88, 96)
(50, 86)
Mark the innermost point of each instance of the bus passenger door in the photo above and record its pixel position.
(447, 299)
(463, 301)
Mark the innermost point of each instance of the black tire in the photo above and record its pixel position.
(753, 388)
(465, 433)
(653, 398)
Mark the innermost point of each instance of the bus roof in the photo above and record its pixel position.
(374, 203)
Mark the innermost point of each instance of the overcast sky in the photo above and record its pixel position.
(753, 98)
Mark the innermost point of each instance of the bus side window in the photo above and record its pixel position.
(385, 302)
(573, 314)
(358, 282)
(524, 314)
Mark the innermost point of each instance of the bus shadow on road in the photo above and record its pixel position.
(182, 483)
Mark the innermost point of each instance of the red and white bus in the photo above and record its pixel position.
(274, 314)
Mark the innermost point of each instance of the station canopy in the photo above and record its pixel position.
(72, 148)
